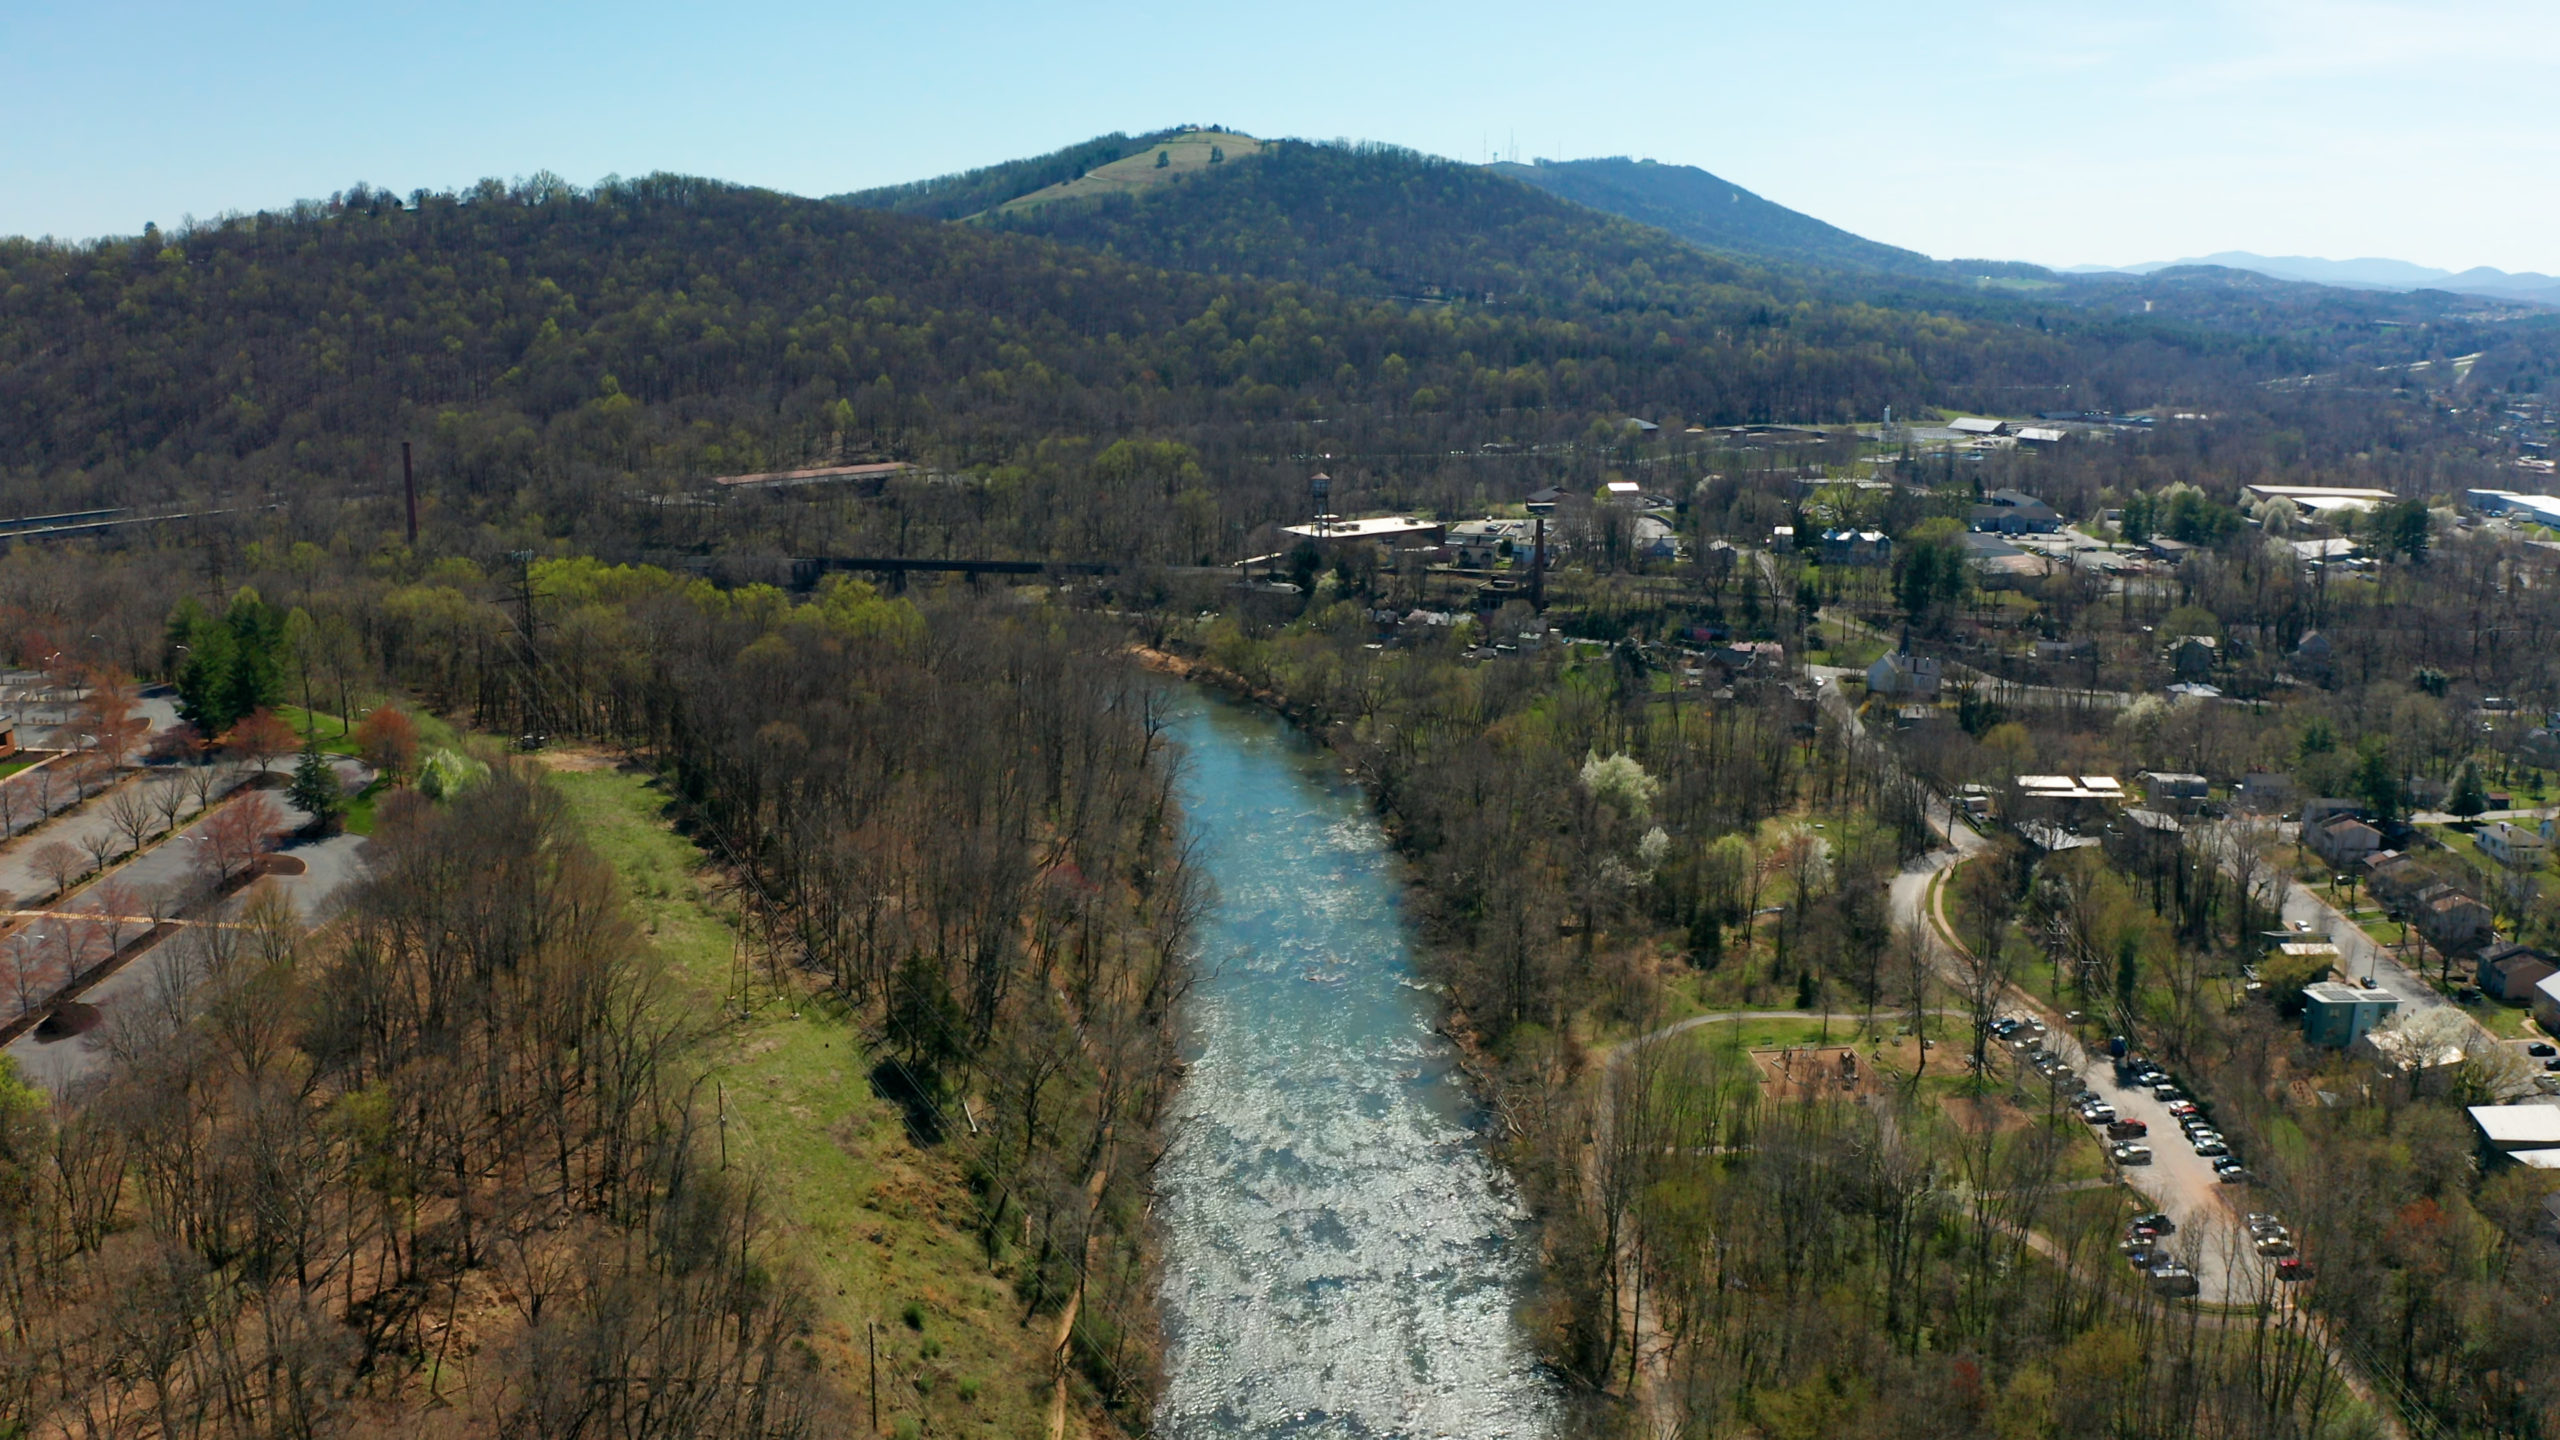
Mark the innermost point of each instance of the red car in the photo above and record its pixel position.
(2293, 1267)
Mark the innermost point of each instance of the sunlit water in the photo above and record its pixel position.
(1343, 1259)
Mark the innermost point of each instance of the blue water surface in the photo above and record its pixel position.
(1343, 1258)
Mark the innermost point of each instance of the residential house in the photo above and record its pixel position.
(2315, 811)
(1999, 565)
(2338, 1015)
(2263, 792)
(1654, 540)
(2194, 656)
(2546, 1004)
(1905, 675)
(1856, 547)
(2342, 840)
(2513, 845)
(2509, 971)
(2313, 654)
(2174, 789)
(2451, 921)
(2395, 879)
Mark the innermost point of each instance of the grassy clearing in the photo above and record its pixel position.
(877, 1224)
(336, 736)
(1183, 155)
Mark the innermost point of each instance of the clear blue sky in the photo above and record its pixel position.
(2061, 131)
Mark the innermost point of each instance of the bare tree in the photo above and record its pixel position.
(134, 815)
(56, 862)
(168, 800)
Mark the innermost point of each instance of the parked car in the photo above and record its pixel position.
(2099, 1114)
(2274, 1247)
(2226, 1162)
(2127, 1130)
(2260, 1220)
(2212, 1145)
(2293, 1267)
(2166, 1093)
(2541, 1048)
(2129, 1154)
(2236, 1175)
(2158, 1220)
(2173, 1279)
(2182, 1108)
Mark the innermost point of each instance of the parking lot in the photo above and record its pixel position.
(2209, 1238)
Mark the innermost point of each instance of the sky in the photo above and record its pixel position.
(2061, 132)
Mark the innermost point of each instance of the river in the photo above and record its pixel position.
(1343, 1258)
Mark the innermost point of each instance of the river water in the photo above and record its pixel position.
(1342, 1256)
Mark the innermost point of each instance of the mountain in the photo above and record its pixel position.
(2363, 274)
(954, 197)
(1715, 213)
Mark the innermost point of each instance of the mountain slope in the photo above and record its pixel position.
(1716, 213)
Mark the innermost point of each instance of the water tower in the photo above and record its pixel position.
(1320, 490)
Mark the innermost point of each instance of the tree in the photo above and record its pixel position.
(2469, 797)
(260, 737)
(2377, 782)
(56, 862)
(228, 667)
(235, 835)
(315, 789)
(388, 741)
(1163, 158)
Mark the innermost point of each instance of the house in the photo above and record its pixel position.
(2338, 1015)
(2451, 921)
(2342, 840)
(1542, 500)
(2546, 1004)
(2038, 435)
(2513, 845)
(2517, 1131)
(1856, 547)
(2167, 789)
(2262, 792)
(1654, 540)
(1748, 656)
(2194, 656)
(1905, 675)
(2395, 879)
(2015, 512)
(2509, 971)
(2314, 654)
(2315, 811)
(2165, 549)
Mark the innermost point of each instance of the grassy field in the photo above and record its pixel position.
(877, 1225)
(1184, 155)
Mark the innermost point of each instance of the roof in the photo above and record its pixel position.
(2331, 992)
(821, 475)
(2518, 1127)
(1378, 527)
(1974, 425)
(2067, 787)
(2038, 435)
(2305, 949)
(2310, 492)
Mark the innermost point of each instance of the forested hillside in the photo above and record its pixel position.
(1716, 213)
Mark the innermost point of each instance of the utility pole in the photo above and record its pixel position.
(409, 484)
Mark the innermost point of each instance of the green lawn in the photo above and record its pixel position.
(335, 736)
(875, 1223)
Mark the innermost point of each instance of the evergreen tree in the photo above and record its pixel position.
(2469, 796)
(315, 788)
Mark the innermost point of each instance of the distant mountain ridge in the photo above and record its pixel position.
(2362, 274)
